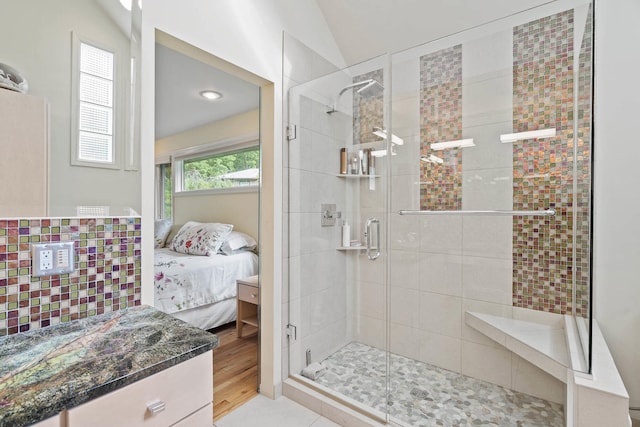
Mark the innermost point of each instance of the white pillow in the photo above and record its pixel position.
(161, 230)
(236, 242)
(195, 238)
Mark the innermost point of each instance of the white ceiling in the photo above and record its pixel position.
(367, 28)
(362, 28)
(179, 81)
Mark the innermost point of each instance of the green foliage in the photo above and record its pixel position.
(206, 173)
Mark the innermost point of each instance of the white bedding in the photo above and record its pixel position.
(187, 281)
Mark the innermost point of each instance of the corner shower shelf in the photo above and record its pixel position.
(356, 176)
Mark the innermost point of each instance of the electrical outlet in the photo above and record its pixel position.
(46, 260)
(49, 259)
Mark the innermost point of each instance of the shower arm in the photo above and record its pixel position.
(366, 84)
(546, 212)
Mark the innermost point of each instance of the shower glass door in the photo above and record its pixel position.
(337, 156)
(490, 217)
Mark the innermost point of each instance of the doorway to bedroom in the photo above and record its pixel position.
(207, 193)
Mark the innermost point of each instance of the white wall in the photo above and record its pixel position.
(37, 41)
(239, 125)
(616, 269)
(247, 33)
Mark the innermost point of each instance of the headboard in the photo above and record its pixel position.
(239, 209)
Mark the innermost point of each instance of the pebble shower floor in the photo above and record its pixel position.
(425, 395)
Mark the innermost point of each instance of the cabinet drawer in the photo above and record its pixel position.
(202, 418)
(184, 389)
(248, 293)
(49, 422)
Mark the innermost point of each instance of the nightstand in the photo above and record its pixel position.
(248, 301)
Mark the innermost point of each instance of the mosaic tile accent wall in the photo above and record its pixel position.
(441, 120)
(107, 276)
(543, 91)
(368, 111)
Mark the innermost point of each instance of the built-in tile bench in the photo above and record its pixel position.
(132, 367)
(596, 399)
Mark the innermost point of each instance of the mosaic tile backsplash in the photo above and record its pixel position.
(543, 170)
(441, 120)
(107, 276)
(368, 110)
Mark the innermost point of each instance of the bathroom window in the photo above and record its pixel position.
(93, 103)
(228, 166)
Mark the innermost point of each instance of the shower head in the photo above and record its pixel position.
(367, 88)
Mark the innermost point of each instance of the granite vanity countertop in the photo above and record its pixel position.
(46, 371)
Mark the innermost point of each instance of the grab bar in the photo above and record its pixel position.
(546, 212)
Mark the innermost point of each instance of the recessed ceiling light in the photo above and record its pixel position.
(211, 95)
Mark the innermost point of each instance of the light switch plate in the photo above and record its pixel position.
(49, 259)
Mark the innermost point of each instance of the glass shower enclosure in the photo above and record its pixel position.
(463, 170)
(338, 217)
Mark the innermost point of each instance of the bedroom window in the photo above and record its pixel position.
(93, 105)
(219, 167)
(234, 169)
(164, 191)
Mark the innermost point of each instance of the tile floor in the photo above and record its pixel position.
(424, 395)
(282, 412)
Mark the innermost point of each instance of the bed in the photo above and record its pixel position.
(200, 288)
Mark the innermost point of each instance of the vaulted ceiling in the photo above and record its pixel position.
(367, 28)
(362, 29)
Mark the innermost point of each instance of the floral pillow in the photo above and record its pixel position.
(195, 238)
(162, 227)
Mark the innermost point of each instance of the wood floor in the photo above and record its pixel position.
(235, 369)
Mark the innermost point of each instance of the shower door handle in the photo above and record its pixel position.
(367, 232)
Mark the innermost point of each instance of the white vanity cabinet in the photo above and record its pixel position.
(178, 396)
(24, 162)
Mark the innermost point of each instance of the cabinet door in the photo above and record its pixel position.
(183, 389)
(24, 162)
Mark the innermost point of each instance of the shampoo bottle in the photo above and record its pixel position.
(346, 234)
(343, 161)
